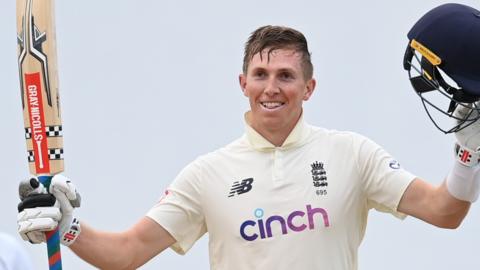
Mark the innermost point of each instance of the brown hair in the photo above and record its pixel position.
(274, 38)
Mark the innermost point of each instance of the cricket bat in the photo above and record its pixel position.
(37, 64)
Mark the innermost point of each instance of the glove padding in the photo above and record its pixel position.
(468, 138)
(34, 220)
(463, 181)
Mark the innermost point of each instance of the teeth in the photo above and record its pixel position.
(271, 105)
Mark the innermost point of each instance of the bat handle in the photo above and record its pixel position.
(53, 237)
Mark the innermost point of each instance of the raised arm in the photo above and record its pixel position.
(446, 206)
(125, 250)
(434, 205)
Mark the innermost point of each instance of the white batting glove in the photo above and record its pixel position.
(468, 148)
(40, 212)
(463, 181)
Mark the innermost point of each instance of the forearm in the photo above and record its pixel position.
(127, 250)
(449, 211)
(434, 205)
(104, 250)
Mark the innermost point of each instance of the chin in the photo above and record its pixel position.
(273, 124)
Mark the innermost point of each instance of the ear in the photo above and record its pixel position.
(310, 87)
(242, 79)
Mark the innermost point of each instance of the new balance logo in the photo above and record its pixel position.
(241, 187)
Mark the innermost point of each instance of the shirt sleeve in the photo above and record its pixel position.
(384, 180)
(179, 210)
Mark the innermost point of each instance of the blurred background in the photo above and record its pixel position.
(147, 86)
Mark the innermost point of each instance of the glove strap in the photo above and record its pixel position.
(467, 156)
(71, 235)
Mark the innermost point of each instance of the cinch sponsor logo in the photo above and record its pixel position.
(296, 221)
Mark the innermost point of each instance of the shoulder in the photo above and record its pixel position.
(217, 158)
(336, 136)
(237, 147)
(341, 142)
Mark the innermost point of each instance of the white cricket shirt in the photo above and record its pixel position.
(303, 205)
(13, 256)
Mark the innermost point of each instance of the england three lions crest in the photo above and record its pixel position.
(319, 177)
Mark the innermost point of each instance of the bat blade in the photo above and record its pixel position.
(37, 64)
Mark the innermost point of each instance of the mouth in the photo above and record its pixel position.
(272, 105)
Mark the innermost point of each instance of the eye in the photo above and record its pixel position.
(286, 76)
(260, 74)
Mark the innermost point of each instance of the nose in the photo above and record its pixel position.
(272, 87)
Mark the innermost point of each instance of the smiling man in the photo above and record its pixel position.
(276, 84)
(286, 195)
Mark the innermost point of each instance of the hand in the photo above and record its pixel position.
(468, 138)
(39, 211)
(463, 181)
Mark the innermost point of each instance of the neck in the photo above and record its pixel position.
(274, 137)
(277, 135)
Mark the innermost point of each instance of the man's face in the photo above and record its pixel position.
(276, 88)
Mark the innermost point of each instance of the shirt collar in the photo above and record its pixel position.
(296, 138)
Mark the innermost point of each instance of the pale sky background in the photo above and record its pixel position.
(147, 86)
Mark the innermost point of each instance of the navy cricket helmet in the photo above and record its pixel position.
(444, 45)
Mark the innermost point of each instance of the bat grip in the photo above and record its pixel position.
(53, 237)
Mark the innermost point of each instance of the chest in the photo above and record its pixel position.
(281, 192)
